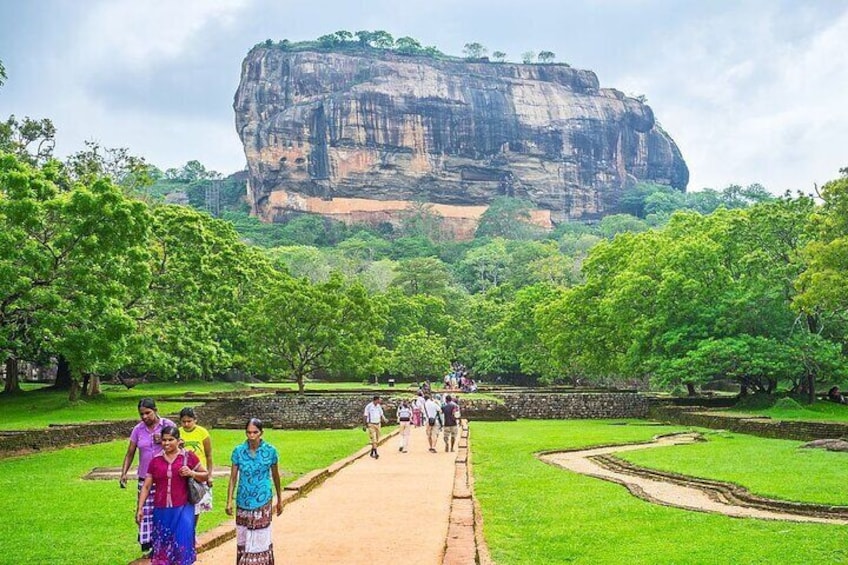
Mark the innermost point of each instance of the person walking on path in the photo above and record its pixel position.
(450, 409)
(197, 440)
(432, 417)
(254, 466)
(374, 417)
(146, 438)
(418, 409)
(173, 515)
(404, 417)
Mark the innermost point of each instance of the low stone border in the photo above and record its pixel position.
(291, 492)
(724, 492)
(465, 544)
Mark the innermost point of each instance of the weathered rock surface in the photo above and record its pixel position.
(361, 136)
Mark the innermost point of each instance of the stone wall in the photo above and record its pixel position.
(762, 426)
(322, 411)
(55, 437)
(344, 410)
(576, 405)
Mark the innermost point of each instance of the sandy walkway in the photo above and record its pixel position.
(663, 492)
(392, 509)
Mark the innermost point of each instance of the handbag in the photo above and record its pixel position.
(196, 490)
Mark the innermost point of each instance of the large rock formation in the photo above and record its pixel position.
(361, 136)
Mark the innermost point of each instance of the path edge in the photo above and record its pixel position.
(465, 543)
(298, 488)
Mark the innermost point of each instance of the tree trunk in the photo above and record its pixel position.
(300, 384)
(12, 381)
(74, 391)
(811, 388)
(690, 388)
(85, 378)
(63, 374)
(93, 385)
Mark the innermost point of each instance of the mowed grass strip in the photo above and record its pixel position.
(774, 468)
(820, 410)
(51, 515)
(535, 513)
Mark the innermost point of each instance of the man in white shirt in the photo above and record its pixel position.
(432, 419)
(373, 419)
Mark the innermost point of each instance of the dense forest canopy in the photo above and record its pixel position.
(110, 267)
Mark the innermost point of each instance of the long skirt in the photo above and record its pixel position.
(253, 536)
(145, 528)
(173, 536)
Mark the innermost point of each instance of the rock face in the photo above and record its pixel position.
(362, 136)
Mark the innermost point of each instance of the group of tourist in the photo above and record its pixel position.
(169, 457)
(459, 379)
(437, 417)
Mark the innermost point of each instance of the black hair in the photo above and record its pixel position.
(188, 411)
(256, 422)
(376, 397)
(447, 398)
(147, 403)
(172, 431)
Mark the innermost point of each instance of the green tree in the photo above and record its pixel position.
(382, 39)
(508, 218)
(71, 255)
(499, 56)
(420, 356)
(30, 140)
(546, 56)
(528, 57)
(296, 329)
(408, 46)
(424, 275)
(474, 50)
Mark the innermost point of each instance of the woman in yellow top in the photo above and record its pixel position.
(197, 440)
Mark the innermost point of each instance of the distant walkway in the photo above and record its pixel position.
(394, 509)
(689, 493)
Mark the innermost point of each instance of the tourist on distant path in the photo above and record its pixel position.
(432, 417)
(254, 465)
(197, 440)
(417, 409)
(374, 417)
(146, 437)
(404, 417)
(835, 396)
(173, 514)
(450, 409)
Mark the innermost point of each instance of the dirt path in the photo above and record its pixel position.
(372, 511)
(666, 492)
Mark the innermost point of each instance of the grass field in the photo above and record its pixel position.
(535, 513)
(50, 515)
(782, 469)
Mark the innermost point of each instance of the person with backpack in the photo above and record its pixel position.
(404, 418)
(432, 419)
(450, 410)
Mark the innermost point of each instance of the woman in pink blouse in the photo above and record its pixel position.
(173, 514)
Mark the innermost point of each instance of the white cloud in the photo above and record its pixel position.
(141, 34)
(747, 104)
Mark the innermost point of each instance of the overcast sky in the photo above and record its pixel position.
(751, 90)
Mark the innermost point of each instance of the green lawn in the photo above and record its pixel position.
(821, 410)
(51, 515)
(782, 469)
(536, 513)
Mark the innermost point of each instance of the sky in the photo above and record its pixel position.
(752, 91)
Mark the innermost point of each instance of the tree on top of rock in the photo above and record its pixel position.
(546, 56)
(474, 50)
